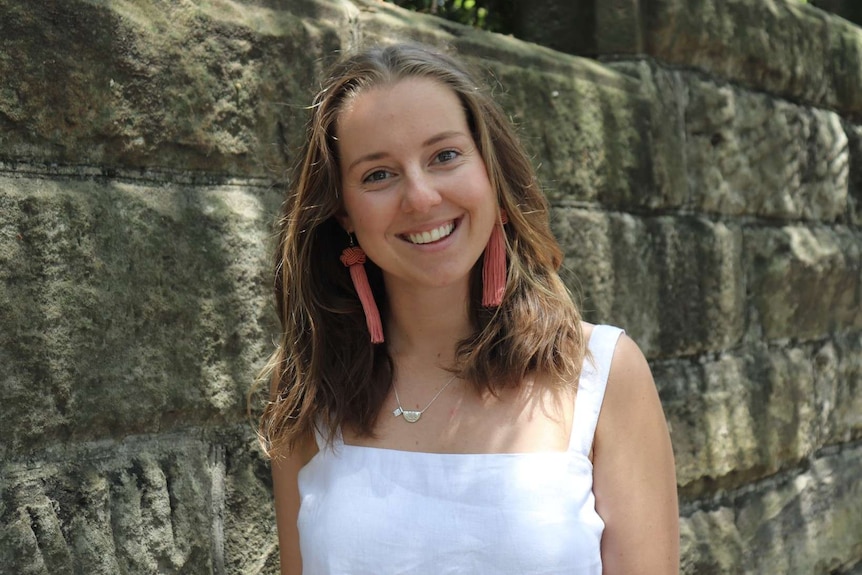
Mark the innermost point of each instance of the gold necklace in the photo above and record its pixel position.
(410, 415)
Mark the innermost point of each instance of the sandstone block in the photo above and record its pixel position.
(734, 420)
(176, 503)
(786, 48)
(805, 281)
(666, 94)
(837, 371)
(588, 131)
(749, 154)
(105, 514)
(745, 415)
(804, 522)
(188, 86)
(127, 307)
(674, 282)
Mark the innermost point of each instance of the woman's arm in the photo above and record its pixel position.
(634, 474)
(286, 494)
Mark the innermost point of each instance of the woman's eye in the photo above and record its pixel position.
(447, 156)
(376, 176)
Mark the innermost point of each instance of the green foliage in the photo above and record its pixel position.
(492, 15)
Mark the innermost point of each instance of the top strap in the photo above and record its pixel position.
(592, 385)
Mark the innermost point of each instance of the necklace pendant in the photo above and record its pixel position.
(397, 411)
(411, 416)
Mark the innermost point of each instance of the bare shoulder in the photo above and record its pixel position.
(634, 474)
(285, 488)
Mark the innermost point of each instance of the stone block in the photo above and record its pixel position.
(805, 282)
(743, 416)
(588, 133)
(128, 307)
(738, 419)
(165, 504)
(218, 87)
(666, 94)
(837, 368)
(751, 154)
(783, 47)
(804, 521)
(675, 283)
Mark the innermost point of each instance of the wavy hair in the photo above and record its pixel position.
(325, 371)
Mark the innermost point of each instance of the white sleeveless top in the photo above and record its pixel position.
(373, 511)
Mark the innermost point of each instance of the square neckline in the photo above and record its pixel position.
(338, 442)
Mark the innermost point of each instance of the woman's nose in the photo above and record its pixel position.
(420, 194)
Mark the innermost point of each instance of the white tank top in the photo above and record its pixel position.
(372, 511)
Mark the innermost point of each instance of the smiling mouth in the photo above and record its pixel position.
(431, 235)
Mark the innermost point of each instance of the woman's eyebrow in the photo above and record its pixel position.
(441, 136)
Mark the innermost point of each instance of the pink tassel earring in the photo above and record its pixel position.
(494, 268)
(353, 257)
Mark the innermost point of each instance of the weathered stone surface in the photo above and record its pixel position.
(250, 538)
(110, 512)
(783, 47)
(217, 86)
(804, 281)
(794, 523)
(166, 504)
(838, 386)
(749, 154)
(674, 282)
(737, 419)
(720, 149)
(666, 94)
(127, 307)
(746, 415)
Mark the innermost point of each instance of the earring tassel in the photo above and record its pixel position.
(494, 267)
(354, 258)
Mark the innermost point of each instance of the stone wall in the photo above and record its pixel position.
(706, 179)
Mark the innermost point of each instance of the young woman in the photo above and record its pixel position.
(437, 404)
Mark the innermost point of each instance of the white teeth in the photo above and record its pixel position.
(432, 235)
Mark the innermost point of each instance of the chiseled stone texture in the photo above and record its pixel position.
(217, 86)
(752, 154)
(805, 522)
(779, 46)
(675, 283)
(171, 503)
(745, 415)
(127, 307)
(724, 150)
(805, 282)
(135, 506)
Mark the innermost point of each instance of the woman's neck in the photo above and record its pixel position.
(427, 324)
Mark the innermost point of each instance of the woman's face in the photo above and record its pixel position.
(415, 189)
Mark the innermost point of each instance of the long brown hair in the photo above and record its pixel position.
(325, 371)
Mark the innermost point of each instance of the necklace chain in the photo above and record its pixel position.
(412, 416)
